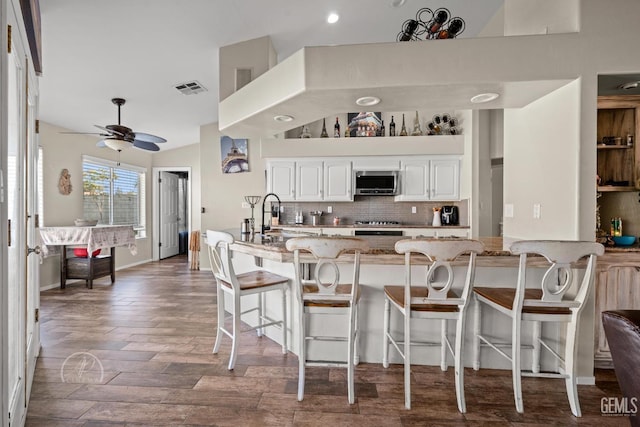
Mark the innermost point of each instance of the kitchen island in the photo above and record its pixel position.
(381, 266)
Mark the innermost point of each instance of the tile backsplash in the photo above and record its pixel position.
(371, 208)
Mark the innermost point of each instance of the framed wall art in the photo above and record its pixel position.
(234, 155)
(364, 123)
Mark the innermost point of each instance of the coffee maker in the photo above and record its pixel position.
(450, 215)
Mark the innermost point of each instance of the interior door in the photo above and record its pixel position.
(22, 341)
(32, 222)
(169, 245)
(16, 212)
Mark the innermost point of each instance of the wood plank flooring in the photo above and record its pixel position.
(138, 353)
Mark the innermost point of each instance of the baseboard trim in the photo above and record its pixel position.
(590, 380)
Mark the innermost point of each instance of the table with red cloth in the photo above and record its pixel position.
(55, 240)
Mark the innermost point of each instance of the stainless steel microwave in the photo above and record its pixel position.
(376, 183)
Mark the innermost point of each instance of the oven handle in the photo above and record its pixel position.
(378, 233)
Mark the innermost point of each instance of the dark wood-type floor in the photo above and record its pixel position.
(150, 338)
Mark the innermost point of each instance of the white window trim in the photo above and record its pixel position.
(113, 164)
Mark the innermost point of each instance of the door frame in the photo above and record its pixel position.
(155, 176)
(10, 14)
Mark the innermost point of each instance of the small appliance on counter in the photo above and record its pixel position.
(315, 217)
(437, 217)
(450, 215)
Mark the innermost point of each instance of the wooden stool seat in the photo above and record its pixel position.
(257, 279)
(396, 294)
(504, 297)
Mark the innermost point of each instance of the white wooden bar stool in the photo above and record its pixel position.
(547, 302)
(432, 298)
(236, 286)
(326, 293)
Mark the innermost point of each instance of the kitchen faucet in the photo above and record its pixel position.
(264, 228)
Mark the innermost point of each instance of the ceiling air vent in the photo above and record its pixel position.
(190, 88)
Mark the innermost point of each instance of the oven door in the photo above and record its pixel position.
(378, 233)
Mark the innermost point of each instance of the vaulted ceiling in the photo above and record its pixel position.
(95, 50)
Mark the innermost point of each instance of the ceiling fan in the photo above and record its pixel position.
(119, 137)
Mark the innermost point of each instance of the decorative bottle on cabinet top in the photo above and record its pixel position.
(381, 130)
(336, 129)
(392, 127)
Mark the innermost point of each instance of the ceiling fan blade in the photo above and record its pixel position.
(111, 132)
(145, 145)
(146, 137)
(82, 133)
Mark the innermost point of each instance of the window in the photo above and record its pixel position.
(114, 193)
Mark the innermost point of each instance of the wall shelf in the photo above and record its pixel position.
(614, 147)
(361, 146)
(611, 188)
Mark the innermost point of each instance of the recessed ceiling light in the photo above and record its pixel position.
(283, 118)
(629, 85)
(333, 18)
(397, 3)
(484, 97)
(367, 101)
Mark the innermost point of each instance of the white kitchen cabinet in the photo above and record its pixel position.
(445, 179)
(337, 231)
(309, 183)
(415, 180)
(338, 180)
(425, 179)
(437, 232)
(281, 179)
(419, 232)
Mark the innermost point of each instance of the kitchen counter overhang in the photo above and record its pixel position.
(272, 247)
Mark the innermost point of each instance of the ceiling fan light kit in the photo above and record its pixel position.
(116, 144)
(119, 137)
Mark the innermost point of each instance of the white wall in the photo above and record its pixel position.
(65, 151)
(483, 208)
(525, 17)
(496, 130)
(541, 166)
(223, 194)
(258, 55)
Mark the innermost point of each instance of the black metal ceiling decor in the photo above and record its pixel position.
(431, 25)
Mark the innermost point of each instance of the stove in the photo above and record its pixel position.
(377, 223)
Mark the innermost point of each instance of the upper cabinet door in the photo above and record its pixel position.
(309, 180)
(281, 179)
(445, 179)
(338, 180)
(414, 181)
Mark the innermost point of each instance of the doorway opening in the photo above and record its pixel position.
(171, 212)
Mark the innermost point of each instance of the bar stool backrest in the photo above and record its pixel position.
(562, 257)
(442, 253)
(325, 251)
(220, 257)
